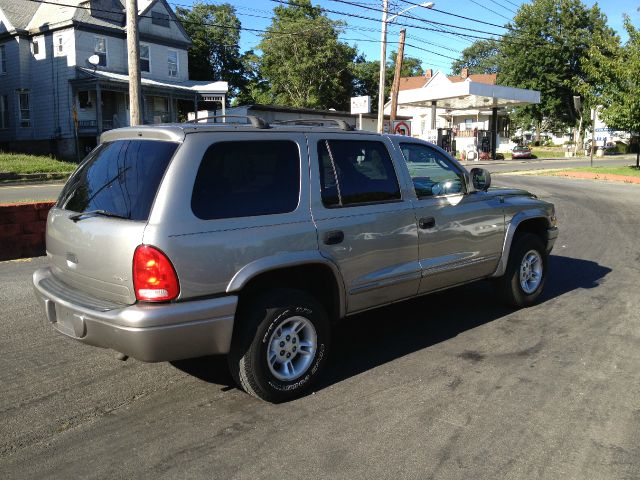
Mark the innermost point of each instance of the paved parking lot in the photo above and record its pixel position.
(449, 386)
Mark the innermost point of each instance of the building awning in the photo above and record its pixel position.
(207, 91)
(468, 95)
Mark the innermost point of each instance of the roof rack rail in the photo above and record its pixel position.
(255, 121)
(342, 124)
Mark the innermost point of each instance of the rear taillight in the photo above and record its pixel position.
(154, 278)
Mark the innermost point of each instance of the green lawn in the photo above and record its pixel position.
(19, 163)
(630, 170)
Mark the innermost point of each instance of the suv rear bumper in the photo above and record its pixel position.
(147, 332)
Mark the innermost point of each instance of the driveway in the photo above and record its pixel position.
(449, 386)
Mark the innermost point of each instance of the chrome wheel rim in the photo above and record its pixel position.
(292, 348)
(531, 271)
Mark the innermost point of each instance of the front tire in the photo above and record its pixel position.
(526, 272)
(280, 344)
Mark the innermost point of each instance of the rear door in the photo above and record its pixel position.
(101, 214)
(366, 224)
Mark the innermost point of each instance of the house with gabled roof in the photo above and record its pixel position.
(54, 100)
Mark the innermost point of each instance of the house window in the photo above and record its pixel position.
(58, 45)
(36, 47)
(3, 61)
(4, 112)
(25, 112)
(161, 19)
(100, 49)
(144, 58)
(84, 99)
(172, 63)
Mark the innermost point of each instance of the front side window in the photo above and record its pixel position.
(84, 99)
(25, 112)
(4, 112)
(3, 60)
(432, 173)
(120, 177)
(144, 58)
(354, 172)
(100, 49)
(244, 179)
(172, 63)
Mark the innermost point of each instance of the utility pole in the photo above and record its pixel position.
(396, 77)
(383, 65)
(133, 51)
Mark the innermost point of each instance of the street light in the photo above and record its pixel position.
(383, 53)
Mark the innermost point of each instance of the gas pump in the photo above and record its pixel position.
(484, 142)
(445, 139)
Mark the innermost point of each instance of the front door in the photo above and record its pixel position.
(460, 233)
(365, 222)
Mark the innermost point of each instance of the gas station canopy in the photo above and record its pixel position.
(467, 95)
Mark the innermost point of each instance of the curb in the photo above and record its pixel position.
(32, 177)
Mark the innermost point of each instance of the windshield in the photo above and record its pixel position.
(120, 178)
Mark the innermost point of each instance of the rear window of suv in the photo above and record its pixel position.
(119, 177)
(243, 179)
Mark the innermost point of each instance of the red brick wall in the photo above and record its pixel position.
(22, 228)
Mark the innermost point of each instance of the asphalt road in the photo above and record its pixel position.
(11, 193)
(450, 386)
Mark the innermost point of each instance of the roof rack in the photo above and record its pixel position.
(255, 121)
(342, 124)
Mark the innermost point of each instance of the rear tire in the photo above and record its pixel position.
(280, 344)
(526, 271)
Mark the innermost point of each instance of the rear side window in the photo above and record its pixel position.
(242, 179)
(120, 177)
(354, 172)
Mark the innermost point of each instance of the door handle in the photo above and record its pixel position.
(426, 222)
(333, 237)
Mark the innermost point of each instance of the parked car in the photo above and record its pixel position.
(178, 241)
(521, 151)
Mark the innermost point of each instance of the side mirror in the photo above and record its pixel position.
(481, 179)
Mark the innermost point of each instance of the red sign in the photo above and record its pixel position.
(402, 128)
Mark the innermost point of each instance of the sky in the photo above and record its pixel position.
(436, 49)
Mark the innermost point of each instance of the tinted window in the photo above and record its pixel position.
(242, 179)
(120, 177)
(356, 172)
(432, 173)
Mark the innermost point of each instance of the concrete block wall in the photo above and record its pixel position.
(22, 228)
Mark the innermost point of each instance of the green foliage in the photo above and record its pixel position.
(617, 67)
(303, 63)
(214, 54)
(546, 50)
(481, 57)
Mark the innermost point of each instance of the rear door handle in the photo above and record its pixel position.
(333, 237)
(426, 222)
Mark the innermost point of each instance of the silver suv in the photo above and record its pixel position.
(179, 241)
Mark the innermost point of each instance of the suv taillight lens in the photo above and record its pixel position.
(154, 278)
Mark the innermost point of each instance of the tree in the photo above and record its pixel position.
(616, 68)
(480, 57)
(303, 62)
(215, 53)
(545, 49)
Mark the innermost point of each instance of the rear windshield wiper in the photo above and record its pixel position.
(79, 216)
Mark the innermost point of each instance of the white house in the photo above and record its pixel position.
(52, 100)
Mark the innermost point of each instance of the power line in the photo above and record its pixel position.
(501, 5)
(458, 16)
(487, 8)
